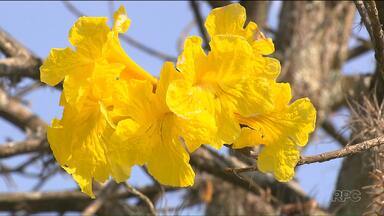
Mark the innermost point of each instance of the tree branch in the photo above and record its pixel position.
(215, 4)
(102, 197)
(359, 50)
(15, 148)
(199, 19)
(331, 130)
(11, 47)
(18, 114)
(344, 152)
(20, 62)
(59, 201)
(370, 17)
(143, 197)
(205, 161)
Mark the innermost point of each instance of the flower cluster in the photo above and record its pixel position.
(116, 115)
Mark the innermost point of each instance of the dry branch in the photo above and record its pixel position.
(20, 62)
(359, 50)
(344, 152)
(102, 197)
(143, 197)
(216, 165)
(332, 131)
(370, 16)
(15, 148)
(60, 201)
(199, 19)
(18, 114)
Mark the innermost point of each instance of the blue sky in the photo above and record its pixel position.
(45, 25)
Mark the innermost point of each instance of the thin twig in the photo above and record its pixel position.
(344, 152)
(370, 16)
(199, 19)
(359, 50)
(146, 49)
(204, 161)
(378, 33)
(102, 197)
(364, 16)
(43, 180)
(332, 131)
(28, 89)
(184, 33)
(143, 197)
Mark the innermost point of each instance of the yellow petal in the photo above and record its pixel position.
(303, 114)
(248, 137)
(77, 142)
(248, 97)
(168, 74)
(84, 181)
(59, 63)
(229, 62)
(197, 131)
(114, 53)
(132, 140)
(285, 122)
(121, 20)
(226, 20)
(95, 83)
(59, 146)
(260, 43)
(76, 89)
(197, 123)
(169, 161)
(230, 19)
(125, 149)
(281, 130)
(103, 79)
(191, 58)
(89, 35)
(280, 159)
(135, 99)
(266, 67)
(228, 128)
(189, 101)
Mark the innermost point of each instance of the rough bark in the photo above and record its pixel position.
(312, 42)
(363, 172)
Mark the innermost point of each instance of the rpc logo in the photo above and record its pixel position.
(346, 195)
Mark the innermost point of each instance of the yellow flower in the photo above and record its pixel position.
(230, 20)
(281, 130)
(225, 81)
(79, 140)
(148, 133)
(95, 42)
